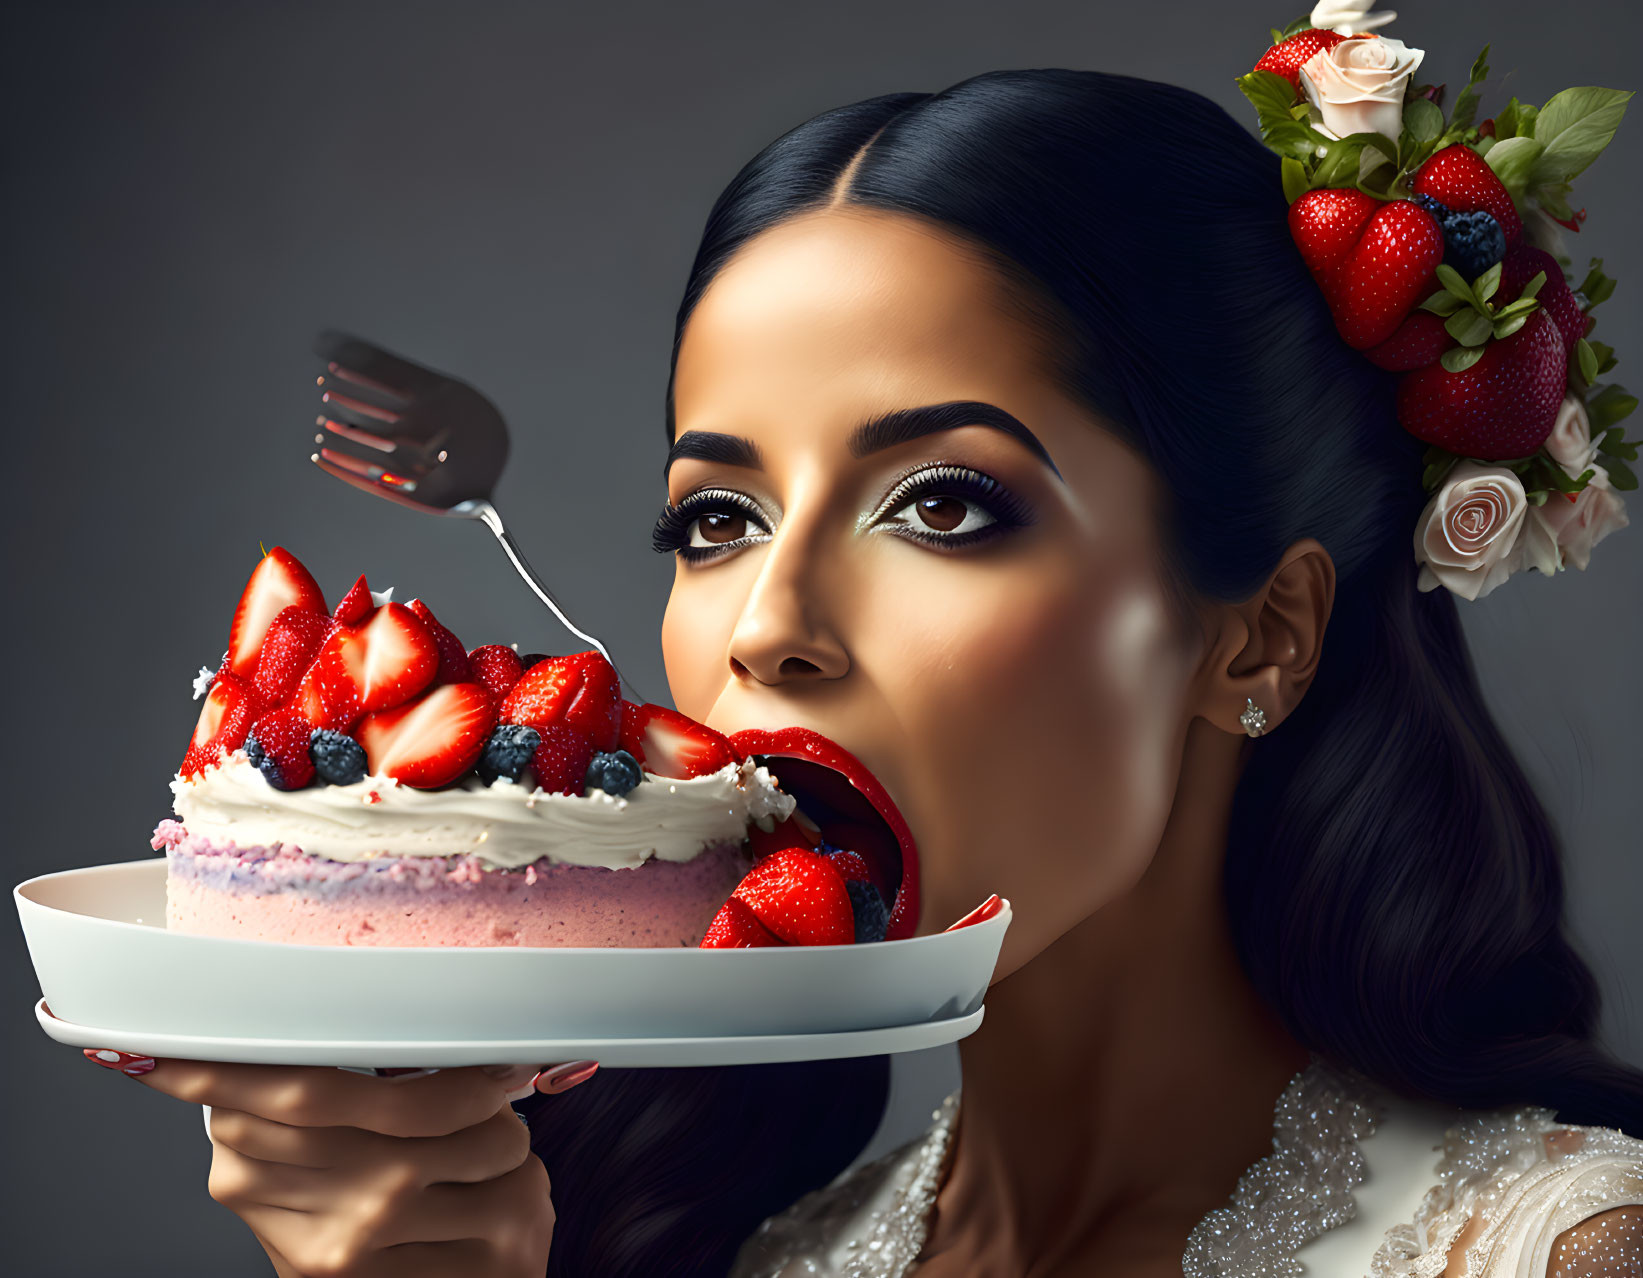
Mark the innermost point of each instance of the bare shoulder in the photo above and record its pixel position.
(1608, 1243)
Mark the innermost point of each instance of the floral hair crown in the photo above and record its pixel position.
(1436, 242)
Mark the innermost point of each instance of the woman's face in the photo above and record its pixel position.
(989, 636)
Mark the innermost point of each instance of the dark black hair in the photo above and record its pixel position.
(1392, 881)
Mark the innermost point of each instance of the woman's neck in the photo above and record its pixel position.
(1124, 1078)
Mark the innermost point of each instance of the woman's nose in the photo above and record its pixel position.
(782, 634)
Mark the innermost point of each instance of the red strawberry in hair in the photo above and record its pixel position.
(1460, 178)
(1420, 340)
(1287, 57)
(1501, 407)
(1521, 265)
(1371, 279)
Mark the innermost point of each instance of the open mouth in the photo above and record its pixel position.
(836, 791)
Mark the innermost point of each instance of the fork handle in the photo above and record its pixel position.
(487, 515)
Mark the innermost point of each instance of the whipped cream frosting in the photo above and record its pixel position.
(505, 825)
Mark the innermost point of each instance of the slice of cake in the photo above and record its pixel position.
(357, 777)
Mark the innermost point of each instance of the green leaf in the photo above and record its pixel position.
(1444, 303)
(1537, 497)
(1460, 358)
(1486, 284)
(1271, 95)
(1423, 120)
(1513, 161)
(1504, 328)
(1469, 328)
(1608, 406)
(1302, 23)
(1605, 355)
(1587, 358)
(1451, 280)
(1620, 475)
(1438, 463)
(1277, 35)
(1294, 178)
(1533, 287)
(1573, 128)
(1614, 443)
(1523, 306)
(1466, 105)
(1506, 120)
(1599, 293)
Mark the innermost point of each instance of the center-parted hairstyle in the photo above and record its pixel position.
(1392, 883)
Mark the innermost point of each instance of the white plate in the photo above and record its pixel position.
(104, 959)
(623, 1053)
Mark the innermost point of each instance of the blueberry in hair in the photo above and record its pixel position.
(616, 772)
(1472, 242)
(338, 758)
(264, 762)
(872, 918)
(254, 751)
(507, 752)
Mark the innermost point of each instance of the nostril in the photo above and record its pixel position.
(797, 666)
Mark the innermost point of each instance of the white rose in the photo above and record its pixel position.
(1468, 531)
(1348, 17)
(1358, 85)
(1576, 526)
(1570, 443)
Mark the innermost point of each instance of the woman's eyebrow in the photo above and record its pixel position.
(874, 435)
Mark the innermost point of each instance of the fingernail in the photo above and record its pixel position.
(125, 1062)
(562, 1078)
(991, 906)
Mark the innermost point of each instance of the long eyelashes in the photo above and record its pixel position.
(672, 531)
(1004, 511)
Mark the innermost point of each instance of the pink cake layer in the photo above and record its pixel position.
(279, 893)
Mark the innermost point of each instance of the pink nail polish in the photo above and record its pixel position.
(125, 1062)
(563, 1077)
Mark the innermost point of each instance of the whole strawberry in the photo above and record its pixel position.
(1502, 407)
(800, 897)
(1287, 57)
(1461, 179)
(1390, 268)
(1520, 266)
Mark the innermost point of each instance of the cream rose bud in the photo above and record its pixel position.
(1468, 531)
(1570, 443)
(1576, 526)
(1358, 85)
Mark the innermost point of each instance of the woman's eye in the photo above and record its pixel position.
(943, 513)
(717, 527)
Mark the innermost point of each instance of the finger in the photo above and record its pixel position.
(319, 1096)
(477, 1153)
(561, 1078)
(499, 1210)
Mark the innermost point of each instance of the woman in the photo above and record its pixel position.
(1014, 449)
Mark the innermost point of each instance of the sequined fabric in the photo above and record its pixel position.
(1529, 1178)
(872, 1222)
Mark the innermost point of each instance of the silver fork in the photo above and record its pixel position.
(401, 431)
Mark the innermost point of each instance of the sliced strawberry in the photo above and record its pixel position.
(670, 744)
(787, 834)
(229, 710)
(355, 606)
(277, 583)
(431, 741)
(496, 667)
(326, 703)
(289, 649)
(282, 749)
(561, 760)
(579, 689)
(1503, 406)
(1327, 225)
(1460, 178)
(453, 657)
(386, 661)
(1287, 57)
(1420, 340)
(799, 897)
(735, 927)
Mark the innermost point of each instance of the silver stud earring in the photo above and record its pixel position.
(1253, 718)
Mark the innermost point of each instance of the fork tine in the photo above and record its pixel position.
(362, 437)
(357, 360)
(365, 485)
(358, 407)
(371, 470)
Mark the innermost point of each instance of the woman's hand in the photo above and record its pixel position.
(342, 1175)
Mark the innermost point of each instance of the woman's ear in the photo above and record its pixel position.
(1265, 650)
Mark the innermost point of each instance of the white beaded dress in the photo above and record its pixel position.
(1359, 1183)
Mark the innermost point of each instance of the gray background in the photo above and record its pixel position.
(513, 193)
